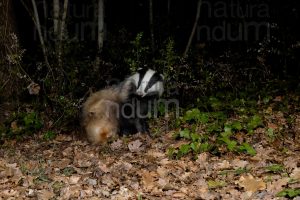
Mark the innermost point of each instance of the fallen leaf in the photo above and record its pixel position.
(70, 192)
(92, 182)
(82, 159)
(155, 154)
(126, 166)
(162, 171)
(34, 88)
(272, 126)
(116, 145)
(148, 179)
(63, 138)
(14, 126)
(250, 184)
(44, 194)
(74, 179)
(222, 165)
(278, 99)
(202, 158)
(68, 151)
(236, 163)
(290, 162)
(135, 146)
(215, 184)
(296, 174)
(178, 195)
(276, 186)
(162, 182)
(61, 164)
(103, 167)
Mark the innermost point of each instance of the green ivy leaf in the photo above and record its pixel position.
(185, 133)
(291, 193)
(204, 147)
(215, 103)
(195, 137)
(236, 125)
(196, 115)
(275, 168)
(191, 114)
(231, 144)
(195, 146)
(248, 148)
(183, 150)
(254, 122)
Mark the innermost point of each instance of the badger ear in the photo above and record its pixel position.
(162, 76)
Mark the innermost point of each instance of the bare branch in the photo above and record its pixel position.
(55, 16)
(38, 27)
(194, 29)
(151, 25)
(61, 34)
(100, 24)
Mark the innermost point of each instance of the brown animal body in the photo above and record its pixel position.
(100, 113)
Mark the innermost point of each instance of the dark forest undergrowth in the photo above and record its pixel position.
(234, 134)
(231, 149)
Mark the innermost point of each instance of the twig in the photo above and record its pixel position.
(38, 26)
(61, 34)
(100, 24)
(151, 25)
(194, 29)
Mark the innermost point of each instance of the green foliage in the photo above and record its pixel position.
(196, 115)
(161, 108)
(169, 57)
(174, 68)
(185, 134)
(215, 184)
(49, 135)
(237, 171)
(289, 193)
(276, 168)
(140, 196)
(198, 127)
(21, 124)
(253, 123)
(245, 147)
(67, 110)
(138, 54)
(57, 186)
(68, 171)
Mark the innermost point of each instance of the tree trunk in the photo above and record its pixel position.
(61, 31)
(100, 25)
(151, 25)
(39, 30)
(7, 26)
(194, 29)
(55, 17)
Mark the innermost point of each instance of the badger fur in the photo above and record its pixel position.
(147, 86)
(121, 109)
(100, 113)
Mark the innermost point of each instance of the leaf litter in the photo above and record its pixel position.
(138, 167)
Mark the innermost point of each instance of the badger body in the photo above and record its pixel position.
(147, 87)
(100, 113)
(122, 109)
(147, 83)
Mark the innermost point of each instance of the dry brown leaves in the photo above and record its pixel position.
(138, 168)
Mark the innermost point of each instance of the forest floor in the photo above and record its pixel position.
(138, 167)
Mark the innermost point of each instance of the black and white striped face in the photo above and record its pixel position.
(148, 82)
